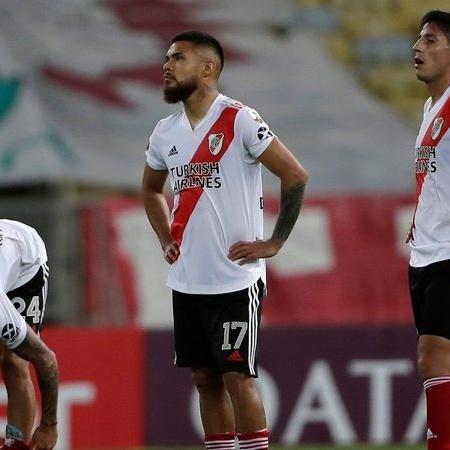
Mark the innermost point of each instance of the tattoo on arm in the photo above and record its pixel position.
(291, 203)
(48, 386)
(34, 350)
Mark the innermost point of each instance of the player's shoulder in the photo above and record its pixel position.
(17, 230)
(244, 111)
(228, 102)
(8, 224)
(167, 123)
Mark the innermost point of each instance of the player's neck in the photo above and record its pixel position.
(198, 104)
(436, 88)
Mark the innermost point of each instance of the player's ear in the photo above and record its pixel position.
(209, 67)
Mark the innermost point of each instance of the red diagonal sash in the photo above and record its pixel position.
(428, 140)
(188, 198)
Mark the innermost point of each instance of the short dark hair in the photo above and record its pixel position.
(203, 40)
(440, 18)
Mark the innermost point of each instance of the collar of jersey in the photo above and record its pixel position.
(205, 117)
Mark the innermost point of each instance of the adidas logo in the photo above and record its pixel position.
(430, 434)
(235, 356)
(173, 151)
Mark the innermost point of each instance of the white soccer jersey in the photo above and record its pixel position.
(22, 252)
(431, 230)
(216, 180)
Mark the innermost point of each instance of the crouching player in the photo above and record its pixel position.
(23, 289)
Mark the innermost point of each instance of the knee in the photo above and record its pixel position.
(432, 364)
(207, 381)
(238, 383)
(433, 356)
(424, 363)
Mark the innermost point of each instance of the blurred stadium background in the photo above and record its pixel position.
(80, 91)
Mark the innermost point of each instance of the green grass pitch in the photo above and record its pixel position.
(317, 447)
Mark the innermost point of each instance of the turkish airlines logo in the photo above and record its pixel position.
(437, 127)
(215, 142)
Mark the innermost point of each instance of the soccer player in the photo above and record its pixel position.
(212, 150)
(429, 234)
(23, 289)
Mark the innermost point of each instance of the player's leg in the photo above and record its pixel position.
(430, 293)
(247, 405)
(192, 350)
(21, 407)
(236, 347)
(433, 356)
(29, 300)
(215, 406)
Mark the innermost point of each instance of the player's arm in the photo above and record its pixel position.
(157, 210)
(33, 349)
(293, 177)
(410, 233)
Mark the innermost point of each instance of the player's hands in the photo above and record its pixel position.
(171, 252)
(410, 233)
(250, 251)
(44, 437)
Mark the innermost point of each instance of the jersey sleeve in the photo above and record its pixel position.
(256, 134)
(153, 154)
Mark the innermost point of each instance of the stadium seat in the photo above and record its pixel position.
(375, 38)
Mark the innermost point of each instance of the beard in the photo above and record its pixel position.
(181, 92)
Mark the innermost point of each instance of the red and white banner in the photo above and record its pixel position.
(81, 90)
(345, 262)
(102, 387)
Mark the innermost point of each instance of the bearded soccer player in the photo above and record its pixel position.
(23, 290)
(212, 150)
(429, 234)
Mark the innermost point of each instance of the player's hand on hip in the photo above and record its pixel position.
(44, 437)
(409, 234)
(249, 251)
(171, 252)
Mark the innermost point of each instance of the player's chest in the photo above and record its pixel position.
(187, 147)
(435, 127)
(179, 149)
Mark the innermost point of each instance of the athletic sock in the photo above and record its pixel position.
(256, 440)
(437, 392)
(223, 441)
